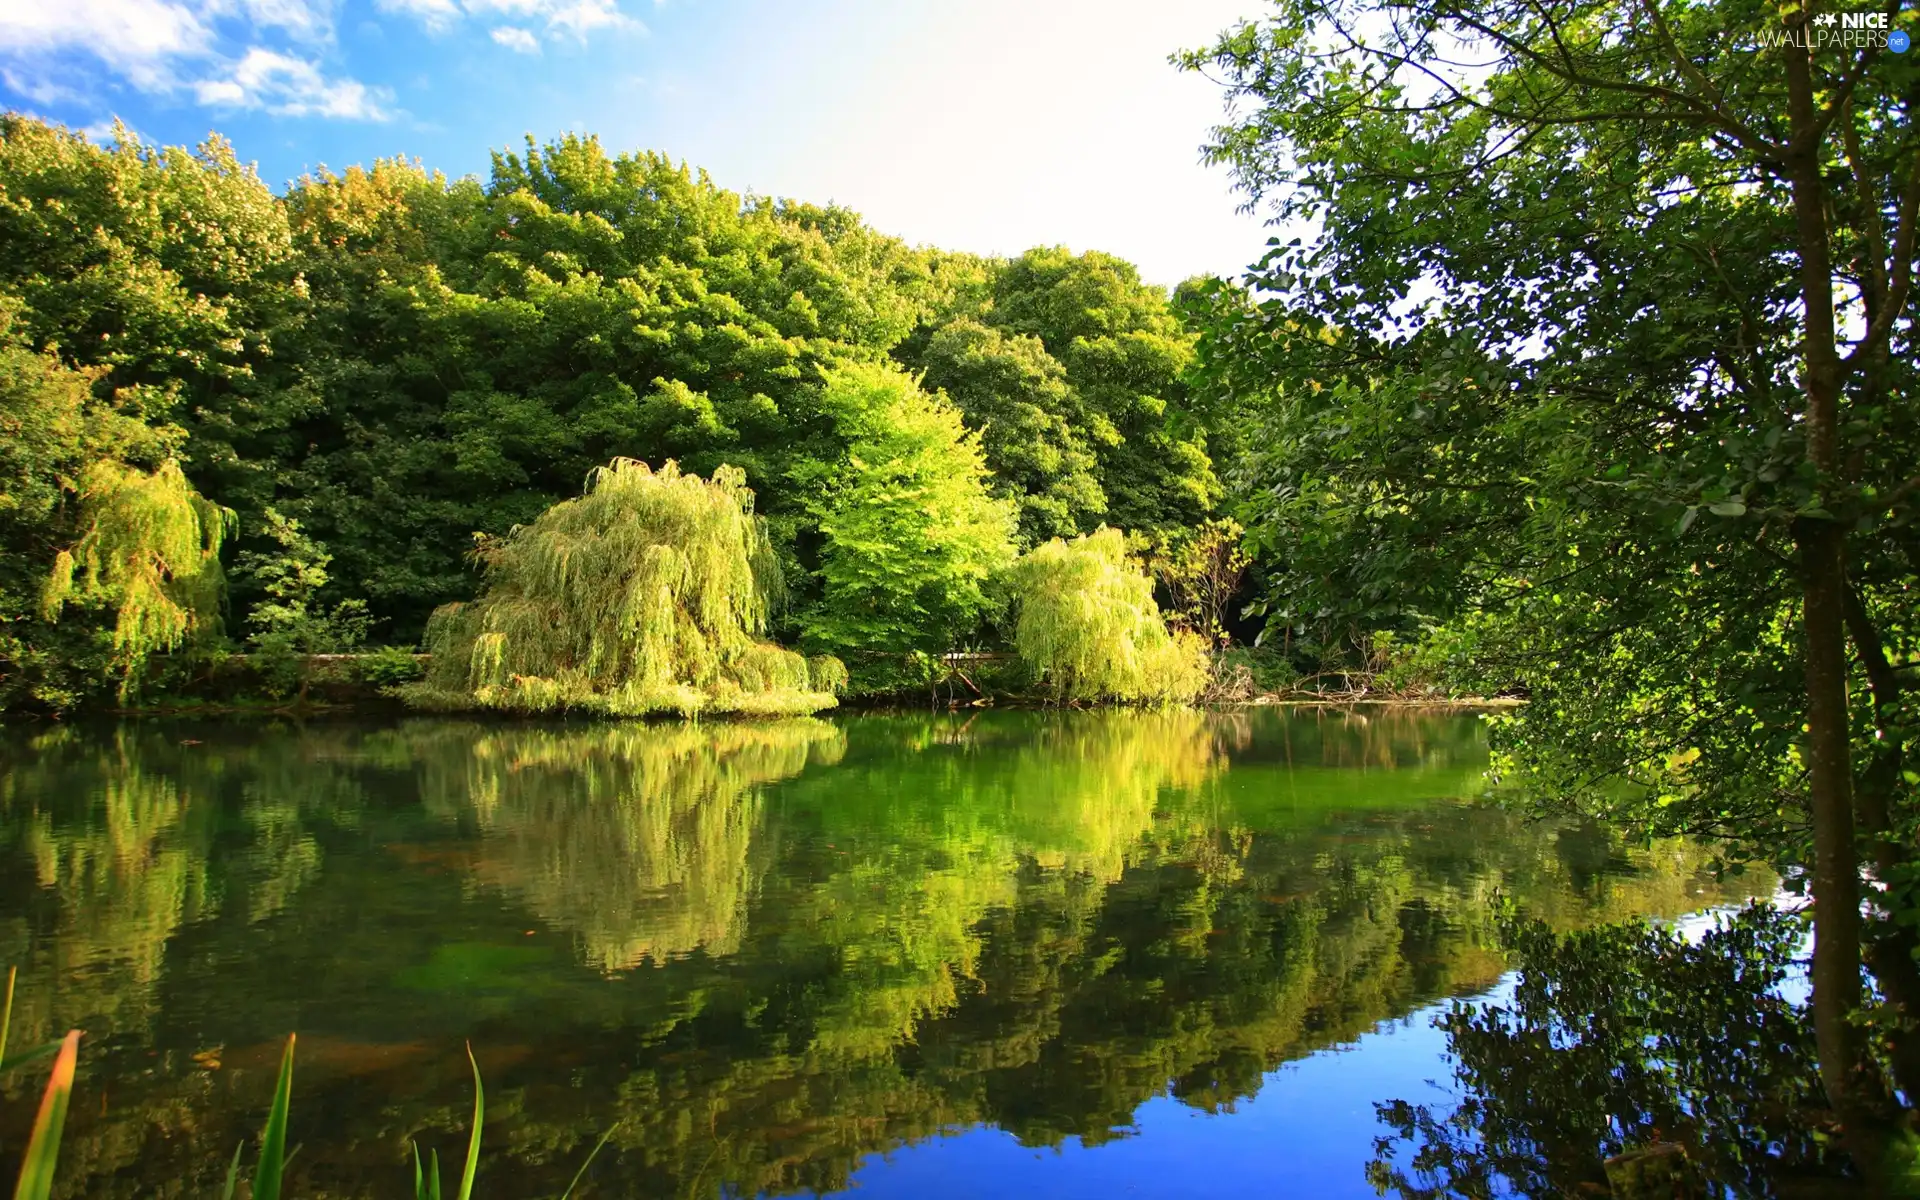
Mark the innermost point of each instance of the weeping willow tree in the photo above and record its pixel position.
(1089, 628)
(646, 594)
(148, 551)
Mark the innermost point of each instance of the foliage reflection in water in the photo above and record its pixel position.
(766, 950)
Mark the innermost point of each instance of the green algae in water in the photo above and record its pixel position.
(482, 967)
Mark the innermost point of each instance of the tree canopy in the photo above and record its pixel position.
(390, 361)
(1593, 354)
(911, 542)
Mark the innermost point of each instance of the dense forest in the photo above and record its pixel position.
(326, 396)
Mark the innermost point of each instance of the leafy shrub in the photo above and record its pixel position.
(388, 666)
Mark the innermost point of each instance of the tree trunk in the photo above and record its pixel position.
(1822, 545)
(1891, 950)
(1836, 871)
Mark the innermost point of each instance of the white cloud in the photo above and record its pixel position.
(170, 47)
(137, 38)
(434, 14)
(291, 87)
(304, 20)
(572, 18)
(517, 39)
(39, 89)
(581, 17)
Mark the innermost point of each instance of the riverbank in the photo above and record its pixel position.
(242, 685)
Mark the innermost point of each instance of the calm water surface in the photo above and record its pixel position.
(1080, 954)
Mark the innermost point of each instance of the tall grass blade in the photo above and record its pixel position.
(473, 1141)
(419, 1180)
(433, 1178)
(273, 1142)
(36, 1168)
(28, 1056)
(591, 1155)
(233, 1171)
(6, 1013)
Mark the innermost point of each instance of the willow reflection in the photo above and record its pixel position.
(639, 839)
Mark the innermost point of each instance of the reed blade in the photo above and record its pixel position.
(28, 1056)
(591, 1155)
(473, 1141)
(43, 1148)
(273, 1141)
(233, 1171)
(6, 1013)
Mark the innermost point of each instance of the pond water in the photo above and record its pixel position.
(994, 954)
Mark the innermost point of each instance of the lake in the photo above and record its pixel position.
(981, 954)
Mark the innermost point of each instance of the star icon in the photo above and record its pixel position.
(1825, 18)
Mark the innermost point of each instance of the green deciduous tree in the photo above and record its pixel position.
(1595, 347)
(1033, 429)
(395, 360)
(106, 554)
(291, 619)
(911, 541)
(1072, 369)
(172, 269)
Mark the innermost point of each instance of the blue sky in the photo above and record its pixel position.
(984, 125)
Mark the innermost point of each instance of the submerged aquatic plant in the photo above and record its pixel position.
(648, 593)
(1090, 630)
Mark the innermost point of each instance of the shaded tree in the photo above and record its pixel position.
(1597, 356)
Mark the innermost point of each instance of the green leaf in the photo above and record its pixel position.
(6, 1016)
(591, 1155)
(43, 1148)
(27, 1056)
(473, 1141)
(233, 1171)
(273, 1158)
(1729, 508)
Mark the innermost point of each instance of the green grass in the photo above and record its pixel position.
(428, 1187)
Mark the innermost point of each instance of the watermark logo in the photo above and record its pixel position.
(1841, 31)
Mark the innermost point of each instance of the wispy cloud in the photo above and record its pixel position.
(566, 18)
(515, 38)
(214, 51)
(139, 39)
(436, 15)
(292, 87)
(304, 20)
